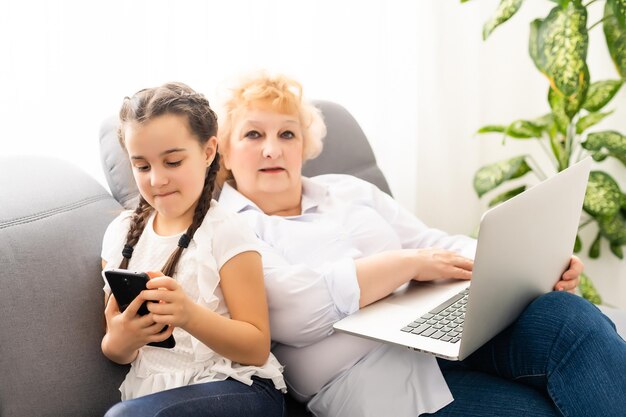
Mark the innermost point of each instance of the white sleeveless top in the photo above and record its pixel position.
(220, 237)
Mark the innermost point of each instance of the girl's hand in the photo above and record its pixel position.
(170, 304)
(435, 263)
(570, 278)
(128, 331)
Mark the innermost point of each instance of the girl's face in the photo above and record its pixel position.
(264, 154)
(169, 165)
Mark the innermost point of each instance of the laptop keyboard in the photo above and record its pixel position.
(444, 322)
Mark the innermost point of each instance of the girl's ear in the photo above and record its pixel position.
(210, 148)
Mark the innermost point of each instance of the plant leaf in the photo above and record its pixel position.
(589, 120)
(534, 45)
(578, 244)
(617, 251)
(506, 9)
(560, 116)
(523, 129)
(507, 195)
(619, 11)
(600, 93)
(599, 157)
(606, 143)
(613, 228)
(594, 249)
(558, 45)
(560, 121)
(562, 3)
(565, 108)
(588, 291)
(545, 122)
(603, 197)
(615, 36)
(558, 149)
(491, 176)
(492, 129)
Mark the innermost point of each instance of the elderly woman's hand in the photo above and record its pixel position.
(570, 278)
(433, 263)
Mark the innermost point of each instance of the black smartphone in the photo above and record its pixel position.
(126, 286)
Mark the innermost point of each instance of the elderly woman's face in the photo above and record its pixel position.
(264, 154)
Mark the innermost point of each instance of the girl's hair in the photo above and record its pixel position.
(278, 93)
(145, 105)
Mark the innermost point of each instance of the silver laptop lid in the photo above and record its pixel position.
(524, 244)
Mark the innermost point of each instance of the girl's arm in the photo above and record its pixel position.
(245, 337)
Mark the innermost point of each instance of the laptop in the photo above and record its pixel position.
(524, 246)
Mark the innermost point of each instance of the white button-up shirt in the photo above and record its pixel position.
(310, 274)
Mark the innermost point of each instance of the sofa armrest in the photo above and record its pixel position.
(52, 219)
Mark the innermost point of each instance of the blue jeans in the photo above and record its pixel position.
(562, 357)
(227, 398)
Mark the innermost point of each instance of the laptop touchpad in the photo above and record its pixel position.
(424, 296)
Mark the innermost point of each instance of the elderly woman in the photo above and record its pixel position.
(334, 244)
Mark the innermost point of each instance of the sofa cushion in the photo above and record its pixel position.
(346, 148)
(116, 166)
(52, 219)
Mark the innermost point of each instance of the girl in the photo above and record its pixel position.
(209, 292)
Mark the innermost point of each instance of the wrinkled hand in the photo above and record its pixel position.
(438, 263)
(128, 331)
(570, 278)
(171, 305)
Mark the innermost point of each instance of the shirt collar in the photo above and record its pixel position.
(313, 194)
(233, 200)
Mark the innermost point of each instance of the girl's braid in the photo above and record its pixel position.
(137, 224)
(204, 203)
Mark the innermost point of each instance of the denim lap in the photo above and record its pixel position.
(227, 398)
(561, 357)
(479, 394)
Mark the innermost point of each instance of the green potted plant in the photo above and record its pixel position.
(558, 47)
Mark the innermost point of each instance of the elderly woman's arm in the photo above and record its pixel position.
(305, 302)
(379, 275)
(411, 231)
(427, 253)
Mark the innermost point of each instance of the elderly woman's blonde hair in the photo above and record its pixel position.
(278, 93)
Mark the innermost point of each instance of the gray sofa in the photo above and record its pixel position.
(52, 218)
